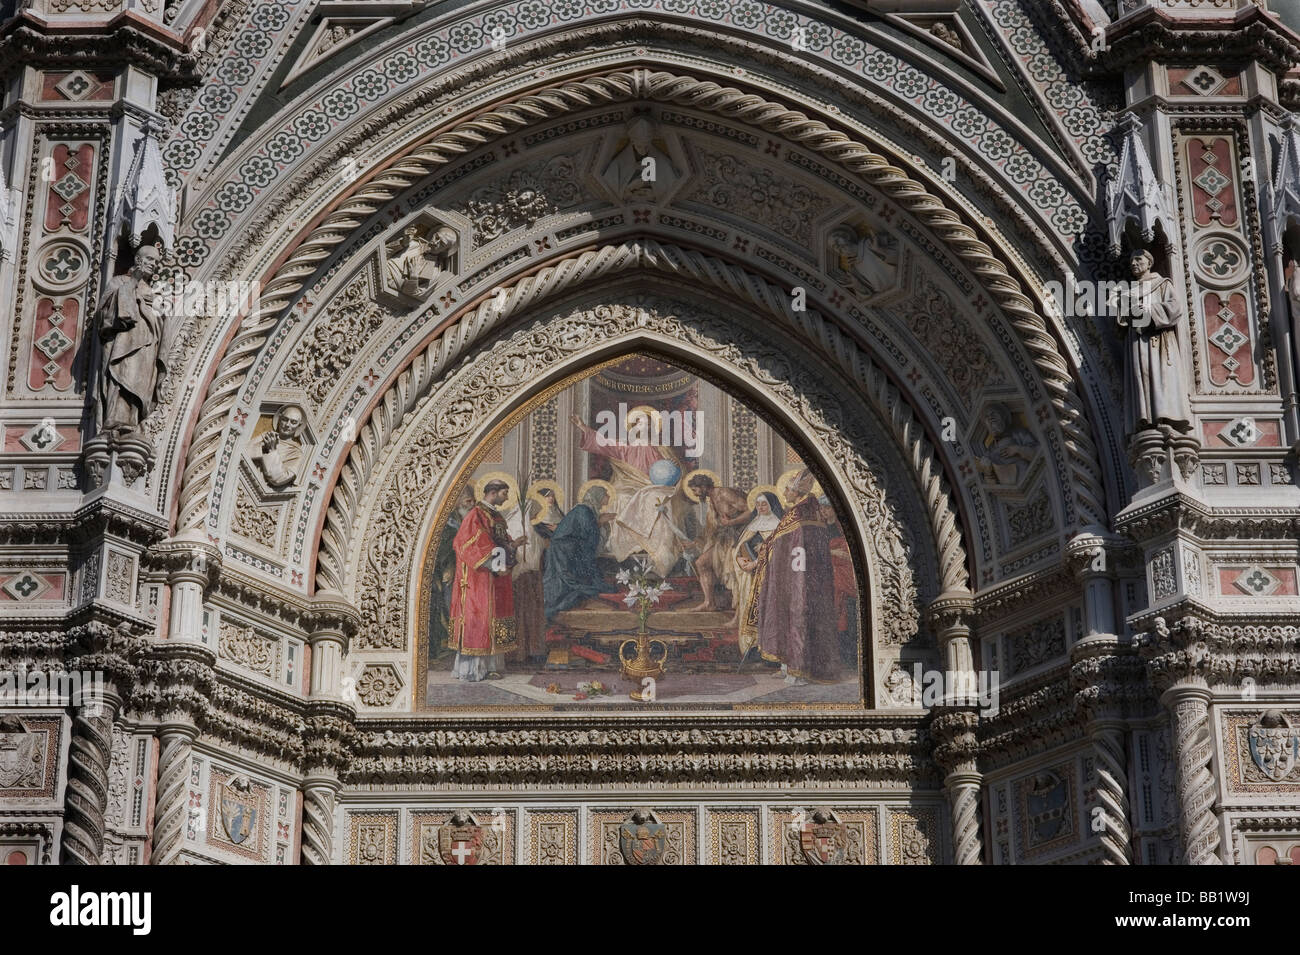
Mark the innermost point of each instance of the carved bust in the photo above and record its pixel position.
(282, 454)
(416, 262)
(640, 169)
(1009, 449)
(868, 263)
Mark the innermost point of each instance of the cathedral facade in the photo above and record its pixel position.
(650, 432)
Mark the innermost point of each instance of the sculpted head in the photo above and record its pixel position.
(997, 419)
(289, 421)
(146, 262)
(444, 240)
(1140, 263)
(640, 133)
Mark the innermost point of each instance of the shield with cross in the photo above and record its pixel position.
(460, 841)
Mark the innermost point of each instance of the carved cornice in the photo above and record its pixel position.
(82, 642)
(1152, 34)
(128, 38)
(1188, 643)
(100, 517)
(1038, 717)
(690, 752)
(1179, 512)
(1109, 680)
(1022, 593)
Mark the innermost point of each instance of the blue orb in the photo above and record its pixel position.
(665, 473)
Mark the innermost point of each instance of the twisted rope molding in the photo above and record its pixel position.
(967, 824)
(687, 91)
(417, 380)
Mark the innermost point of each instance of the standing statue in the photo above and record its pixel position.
(130, 362)
(1155, 386)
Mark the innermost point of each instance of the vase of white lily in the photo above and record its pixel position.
(642, 596)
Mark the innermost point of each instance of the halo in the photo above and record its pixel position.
(656, 422)
(609, 489)
(685, 482)
(784, 480)
(752, 499)
(550, 485)
(512, 497)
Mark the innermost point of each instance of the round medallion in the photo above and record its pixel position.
(62, 265)
(1221, 260)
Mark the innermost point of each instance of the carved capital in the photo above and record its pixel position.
(952, 614)
(189, 557)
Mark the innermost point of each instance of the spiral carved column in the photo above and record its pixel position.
(1193, 749)
(318, 821)
(955, 723)
(964, 795)
(1108, 741)
(330, 718)
(87, 793)
(176, 741)
(1104, 675)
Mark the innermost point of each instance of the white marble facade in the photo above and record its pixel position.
(899, 233)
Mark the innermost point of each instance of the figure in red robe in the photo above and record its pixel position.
(792, 606)
(483, 627)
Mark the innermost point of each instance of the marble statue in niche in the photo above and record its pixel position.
(419, 258)
(1155, 385)
(129, 364)
(869, 262)
(281, 459)
(641, 168)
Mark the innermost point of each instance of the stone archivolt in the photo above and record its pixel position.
(876, 170)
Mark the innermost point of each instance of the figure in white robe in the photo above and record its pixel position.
(1155, 385)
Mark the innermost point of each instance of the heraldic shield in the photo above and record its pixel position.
(238, 809)
(20, 755)
(823, 839)
(643, 839)
(460, 841)
(1274, 745)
